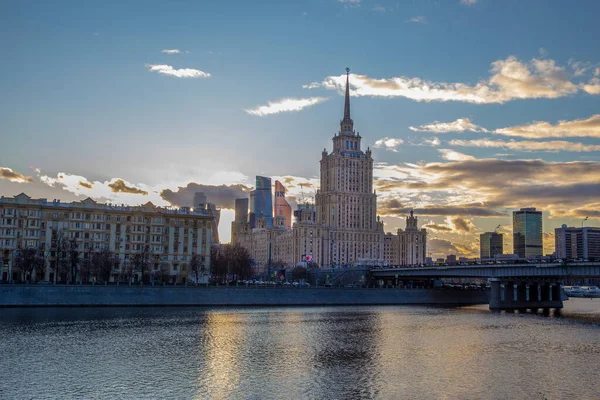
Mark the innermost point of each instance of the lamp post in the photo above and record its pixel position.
(585, 219)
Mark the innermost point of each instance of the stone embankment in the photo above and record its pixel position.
(130, 296)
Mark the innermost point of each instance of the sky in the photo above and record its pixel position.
(473, 108)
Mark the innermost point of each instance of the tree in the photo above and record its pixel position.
(27, 260)
(197, 266)
(298, 273)
(103, 263)
(59, 253)
(73, 259)
(141, 262)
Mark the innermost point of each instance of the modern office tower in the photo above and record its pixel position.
(241, 218)
(577, 243)
(241, 210)
(201, 202)
(281, 207)
(170, 237)
(346, 203)
(490, 245)
(527, 233)
(262, 200)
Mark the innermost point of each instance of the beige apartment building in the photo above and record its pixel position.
(171, 236)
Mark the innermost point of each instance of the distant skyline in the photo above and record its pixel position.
(473, 108)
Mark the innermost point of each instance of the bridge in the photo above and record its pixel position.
(522, 287)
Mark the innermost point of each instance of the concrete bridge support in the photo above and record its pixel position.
(523, 295)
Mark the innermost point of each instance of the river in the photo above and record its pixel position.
(391, 352)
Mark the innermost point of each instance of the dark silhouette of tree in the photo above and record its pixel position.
(141, 263)
(73, 259)
(298, 273)
(197, 266)
(103, 263)
(230, 262)
(59, 254)
(27, 260)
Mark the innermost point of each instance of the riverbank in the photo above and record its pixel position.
(128, 296)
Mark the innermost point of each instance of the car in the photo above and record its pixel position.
(44, 283)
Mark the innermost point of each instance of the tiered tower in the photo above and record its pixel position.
(346, 203)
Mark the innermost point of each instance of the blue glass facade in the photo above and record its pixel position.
(527, 233)
(263, 200)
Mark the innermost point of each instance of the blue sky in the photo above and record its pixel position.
(87, 93)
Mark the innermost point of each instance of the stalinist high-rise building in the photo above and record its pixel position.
(342, 228)
(346, 203)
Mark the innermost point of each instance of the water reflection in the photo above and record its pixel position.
(315, 353)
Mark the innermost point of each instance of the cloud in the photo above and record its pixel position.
(379, 8)
(178, 73)
(85, 184)
(593, 87)
(171, 51)
(350, 3)
(222, 196)
(588, 127)
(468, 2)
(119, 186)
(463, 225)
(452, 155)
(438, 228)
(509, 79)
(391, 144)
(526, 145)
(460, 125)
(13, 176)
(393, 207)
(433, 142)
(442, 247)
(418, 19)
(285, 105)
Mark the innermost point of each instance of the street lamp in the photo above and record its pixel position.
(585, 219)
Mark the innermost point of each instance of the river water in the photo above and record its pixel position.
(290, 353)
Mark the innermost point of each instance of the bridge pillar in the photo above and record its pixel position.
(510, 295)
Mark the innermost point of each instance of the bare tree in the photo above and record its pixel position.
(27, 260)
(141, 262)
(59, 254)
(103, 263)
(196, 267)
(73, 259)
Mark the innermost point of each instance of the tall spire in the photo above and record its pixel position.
(347, 125)
(347, 102)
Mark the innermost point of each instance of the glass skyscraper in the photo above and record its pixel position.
(282, 207)
(490, 244)
(262, 201)
(527, 233)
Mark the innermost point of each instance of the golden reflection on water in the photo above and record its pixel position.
(222, 338)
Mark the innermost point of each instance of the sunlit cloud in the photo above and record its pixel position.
(510, 79)
(119, 186)
(418, 19)
(285, 105)
(178, 73)
(13, 176)
(460, 125)
(588, 127)
(525, 145)
(451, 155)
(468, 2)
(387, 143)
(171, 51)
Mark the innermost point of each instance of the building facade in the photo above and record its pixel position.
(527, 233)
(169, 236)
(577, 243)
(261, 200)
(490, 245)
(408, 247)
(281, 208)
